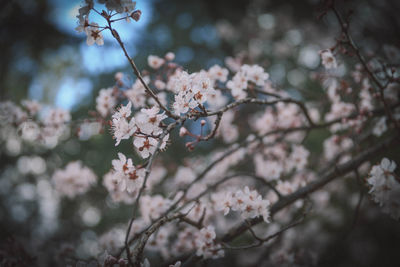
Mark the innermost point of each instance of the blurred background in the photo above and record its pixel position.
(43, 58)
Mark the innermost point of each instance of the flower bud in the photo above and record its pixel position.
(170, 56)
(118, 76)
(136, 15)
(183, 132)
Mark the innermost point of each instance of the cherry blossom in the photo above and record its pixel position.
(74, 180)
(258, 151)
(248, 202)
(205, 244)
(94, 35)
(122, 128)
(385, 188)
(148, 120)
(145, 145)
(216, 73)
(328, 60)
(155, 62)
(105, 101)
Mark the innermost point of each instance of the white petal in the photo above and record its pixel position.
(385, 163)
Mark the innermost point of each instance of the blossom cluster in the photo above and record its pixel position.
(92, 30)
(282, 117)
(205, 243)
(145, 126)
(191, 90)
(248, 202)
(247, 73)
(106, 101)
(269, 149)
(74, 180)
(34, 123)
(385, 187)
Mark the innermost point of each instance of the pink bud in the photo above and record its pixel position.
(170, 56)
(118, 76)
(183, 132)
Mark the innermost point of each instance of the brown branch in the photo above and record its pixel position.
(137, 72)
(214, 131)
(147, 173)
(262, 102)
(329, 176)
(345, 29)
(303, 192)
(137, 254)
(261, 241)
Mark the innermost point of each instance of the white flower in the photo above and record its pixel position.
(182, 104)
(120, 6)
(205, 243)
(145, 146)
(134, 179)
(152, 207)
(160, 85)
(11, 113)
(336, 144)
(32, 106)
(148, 120)
(216, 73)
(184, 175)
(285, 188)
(123, 112)
(123, 129)
(380, 127)
(130, 178)
(216, 99)
(255, 73)
(298, 157)
(57, 117)
(225, 203)
(246, 73)
(207, 234)
(122, 165)
(169, 56)
(155, 62)
(238, 85)
(164, 142)
(105, 101)
(328, 60)
(83, 14)
(269, 169)
(262, 206)
(264, 123)
(74, 180)
(201, 86)
(385, 189)
(94, 35)
(137, 94)
(30, 131)
(388, 165)
(112, 239)
(112, 181)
